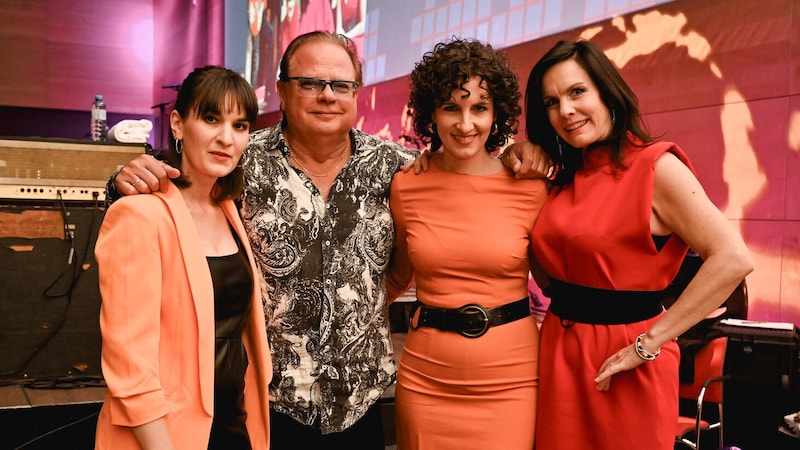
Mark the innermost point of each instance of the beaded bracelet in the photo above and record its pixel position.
(641, 352)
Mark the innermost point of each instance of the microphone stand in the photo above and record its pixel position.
(162, 117)
(162, 107)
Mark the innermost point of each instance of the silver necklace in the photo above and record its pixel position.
(338, 165)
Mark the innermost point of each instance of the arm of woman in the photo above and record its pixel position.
(129, 267)
(681, 206)
(539, 275)
(153, 436)
(400, 272)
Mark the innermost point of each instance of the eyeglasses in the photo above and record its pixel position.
(312, 87)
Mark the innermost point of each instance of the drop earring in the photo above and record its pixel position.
(560, 150)
(556, 168)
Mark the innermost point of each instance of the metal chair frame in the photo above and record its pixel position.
(709, 371)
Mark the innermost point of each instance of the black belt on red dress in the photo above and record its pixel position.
(472, 320)
(575, 303)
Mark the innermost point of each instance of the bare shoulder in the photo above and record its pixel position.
(673, 174)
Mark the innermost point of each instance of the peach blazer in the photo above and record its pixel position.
(157, 324)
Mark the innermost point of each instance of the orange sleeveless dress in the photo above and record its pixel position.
(466, 239)
(595, 232)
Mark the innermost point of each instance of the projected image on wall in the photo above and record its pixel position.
(274, 23)
(392, 35)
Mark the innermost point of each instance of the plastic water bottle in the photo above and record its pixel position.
(98, 125)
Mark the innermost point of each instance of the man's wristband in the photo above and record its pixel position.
(112, 194)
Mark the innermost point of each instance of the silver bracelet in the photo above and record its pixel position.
(553, 171)
(641, 352)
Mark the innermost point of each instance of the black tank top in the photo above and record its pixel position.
(233, 289)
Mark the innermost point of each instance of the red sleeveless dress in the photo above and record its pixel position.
(595, 232)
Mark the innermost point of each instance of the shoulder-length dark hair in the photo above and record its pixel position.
(213, 90)
(614, 92)
(449, 66)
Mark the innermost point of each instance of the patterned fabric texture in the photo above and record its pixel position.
(323, 263)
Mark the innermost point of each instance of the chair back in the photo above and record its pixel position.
(708, 363)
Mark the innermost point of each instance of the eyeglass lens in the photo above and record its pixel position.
(313, 86)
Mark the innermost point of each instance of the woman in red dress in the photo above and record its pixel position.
(612, 235)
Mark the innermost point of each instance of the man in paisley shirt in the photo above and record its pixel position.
(316, 209)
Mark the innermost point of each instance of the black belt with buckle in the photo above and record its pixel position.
(470, 320)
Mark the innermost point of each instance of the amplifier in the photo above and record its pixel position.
(50, 301)
(51, 169)
(762, 352)
(764, 364)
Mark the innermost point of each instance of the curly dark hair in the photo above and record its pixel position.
(449, 66)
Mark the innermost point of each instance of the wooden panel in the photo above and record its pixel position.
(64, 52)
(23, 77)
(106, 48)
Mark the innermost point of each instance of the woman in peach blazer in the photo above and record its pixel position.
(158, 313)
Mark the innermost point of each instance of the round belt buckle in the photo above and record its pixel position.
(475, 332)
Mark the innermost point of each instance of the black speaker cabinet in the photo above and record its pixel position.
(764, 366)
(50, 300)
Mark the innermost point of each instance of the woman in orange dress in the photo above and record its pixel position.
(468, 375)
(610, 238)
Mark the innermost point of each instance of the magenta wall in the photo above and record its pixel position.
(722, 79)
(57, 54)
(719, 77)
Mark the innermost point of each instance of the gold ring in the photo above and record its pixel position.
(136, 182)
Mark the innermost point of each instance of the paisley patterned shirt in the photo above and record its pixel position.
(323, 264)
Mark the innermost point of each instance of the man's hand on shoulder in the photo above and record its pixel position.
(144, 175)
